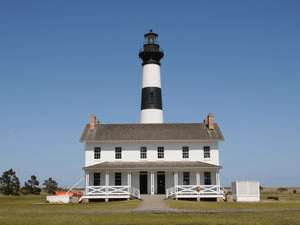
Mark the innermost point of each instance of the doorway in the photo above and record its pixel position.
(161, 182)
(143, 182)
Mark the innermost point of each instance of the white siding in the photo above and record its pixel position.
(131, 151)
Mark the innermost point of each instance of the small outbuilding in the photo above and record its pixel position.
(245, 191)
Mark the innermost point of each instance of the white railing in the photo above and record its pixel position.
(112, 191)
(134, 192)
(192, 190)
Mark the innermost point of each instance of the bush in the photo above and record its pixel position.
(294, 191)
(261, 188)
(282, 189)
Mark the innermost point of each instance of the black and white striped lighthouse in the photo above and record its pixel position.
(151, 54)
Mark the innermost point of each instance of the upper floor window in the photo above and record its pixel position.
(118, 153)
(185, 152)
(186, 178)
(143, 153)
(96, 179)
(206, 151)
(97, 153)
(207, 178)
(160, 152)
(118, 179)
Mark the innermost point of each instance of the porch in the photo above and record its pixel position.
(127, 180)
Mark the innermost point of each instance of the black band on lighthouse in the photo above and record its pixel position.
(151, 98)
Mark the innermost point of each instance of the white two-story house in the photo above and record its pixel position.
(180, 160)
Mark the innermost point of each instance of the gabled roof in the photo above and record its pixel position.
(153, 165)
(147, 132)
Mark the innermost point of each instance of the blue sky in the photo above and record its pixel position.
(60, 61)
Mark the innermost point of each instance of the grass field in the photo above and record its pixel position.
(36, 204)
(276, 218)
(286, 201)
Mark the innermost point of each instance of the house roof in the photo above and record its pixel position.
(161, 131)
(152, 165)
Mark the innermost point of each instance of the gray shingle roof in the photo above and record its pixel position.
(152, 165)
(162, 131)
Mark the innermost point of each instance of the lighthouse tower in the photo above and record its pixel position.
(151, 54)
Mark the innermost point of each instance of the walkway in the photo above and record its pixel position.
(153, 202)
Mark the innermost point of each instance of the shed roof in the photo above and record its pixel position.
(161, 131)
(152, 165)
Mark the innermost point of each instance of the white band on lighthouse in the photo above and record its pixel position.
(151, 76)
(152, 116)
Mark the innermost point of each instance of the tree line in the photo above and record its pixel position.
(10, 184)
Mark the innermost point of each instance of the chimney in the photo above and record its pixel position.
(210, 118)
(92, 122)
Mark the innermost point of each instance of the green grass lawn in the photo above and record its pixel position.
(276, 218)
(286, 201)
(38, 203)
(193, 205)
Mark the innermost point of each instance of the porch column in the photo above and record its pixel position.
(175, 178)
(152, 182)
(129, 179)
(198, 178)
(218, 180)
(106, 184)
(87, 181)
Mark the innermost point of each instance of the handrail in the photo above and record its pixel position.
(112, 190)
(152, 50)
(192, 190)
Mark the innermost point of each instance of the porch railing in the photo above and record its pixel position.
(112, 191)
(192, 190)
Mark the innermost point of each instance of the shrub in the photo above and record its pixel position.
(282, 189)
(261, 188)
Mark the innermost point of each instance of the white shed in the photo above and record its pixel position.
(245, 191)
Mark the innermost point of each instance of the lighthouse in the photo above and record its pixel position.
(151, 104)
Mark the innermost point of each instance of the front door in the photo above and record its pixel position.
(161, 182)
(143, 182)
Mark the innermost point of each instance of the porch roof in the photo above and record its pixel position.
(153, 165)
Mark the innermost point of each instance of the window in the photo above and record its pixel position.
(160, 152)
(186, 178)
(118, 179)
(97, 153)
(96, 179)
(118, 153)
(143, 153)
(206, 151)
(207, 178)
(185, 152)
